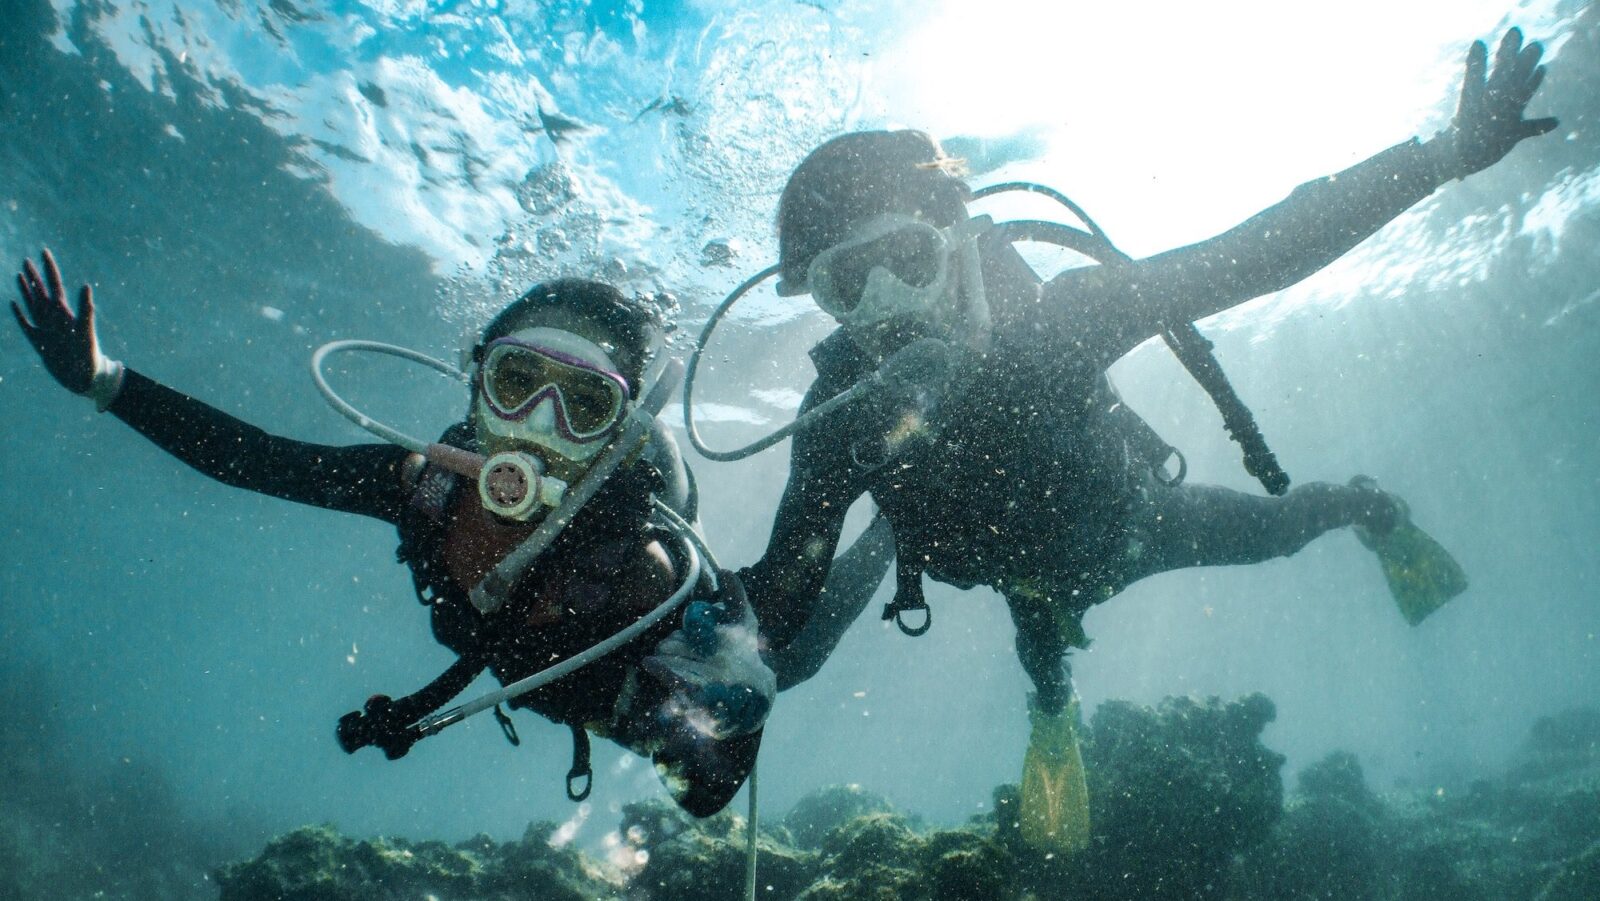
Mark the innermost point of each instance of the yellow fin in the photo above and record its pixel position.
(1054, 813)
(1421, 574)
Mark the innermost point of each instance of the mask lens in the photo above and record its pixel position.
(591, 403)
(913, 253)
(513, 377)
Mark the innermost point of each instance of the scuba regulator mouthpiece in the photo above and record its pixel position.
(513, 484)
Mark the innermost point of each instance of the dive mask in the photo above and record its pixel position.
(892, 265)
(898, 267)
(552, 389)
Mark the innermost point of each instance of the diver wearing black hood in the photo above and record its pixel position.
(1016, 465)
(555, 377)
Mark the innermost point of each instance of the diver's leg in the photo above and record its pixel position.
(1208, 525)
(1053, 813)
(1042, 649)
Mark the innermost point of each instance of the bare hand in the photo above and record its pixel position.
(65, 342)
(1489, 120)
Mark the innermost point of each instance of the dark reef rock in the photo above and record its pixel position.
(1531, 834)
(316, 863)
(696, 860)
(1558, 744)
(1176, 792)
(1577, 880)
(1187, 803)
(820, 812)
(1327, 844)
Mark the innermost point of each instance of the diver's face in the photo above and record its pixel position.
(888, 282)
(550, 389)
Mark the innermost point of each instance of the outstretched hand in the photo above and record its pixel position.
(1489, 118)
(65, 341)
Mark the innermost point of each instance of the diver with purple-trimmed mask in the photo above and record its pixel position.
(550, 534)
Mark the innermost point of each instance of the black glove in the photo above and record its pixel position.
(64, 341)
(717, 677)
(378, 724)
(1489, 120)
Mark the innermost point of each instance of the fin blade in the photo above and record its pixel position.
(1054, 813)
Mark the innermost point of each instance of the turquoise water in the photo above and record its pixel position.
(243, 181)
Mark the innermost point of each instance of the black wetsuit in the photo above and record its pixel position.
(386, 482)
(1025, 473)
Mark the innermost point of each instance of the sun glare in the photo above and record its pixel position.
(1175, 120)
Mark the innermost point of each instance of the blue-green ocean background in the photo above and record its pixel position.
(243, 180)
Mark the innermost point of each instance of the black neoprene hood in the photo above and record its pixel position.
(631, 326)
(859, 175)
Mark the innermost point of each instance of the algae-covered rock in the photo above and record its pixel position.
(1577, 879)
(883, 854)
(316, 863)
(1338, 777)
(535, 868)
(1572, 731)
(1531, 833)
(1560, 744)
(699, 859)
(872, 840)
(1186, 803)
(824, 810)
(1327, 844)
(965, 865)
(1175, 792)
(874, 883)
(879, 853)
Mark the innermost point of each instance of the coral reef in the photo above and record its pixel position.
(316, 863)
(699, 859)
(815, 815)
(1533, 833)
(1176, 792)
(1179, 790)
(1187, 803)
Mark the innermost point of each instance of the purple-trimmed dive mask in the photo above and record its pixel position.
(551, 388)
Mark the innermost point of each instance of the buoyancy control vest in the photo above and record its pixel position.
(614, 524)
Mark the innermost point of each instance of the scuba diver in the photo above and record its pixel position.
(971, 400)
(552, 524)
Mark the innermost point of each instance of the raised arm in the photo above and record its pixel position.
(1315, 225)
(853, 577)
(361, 479)
(786, 583)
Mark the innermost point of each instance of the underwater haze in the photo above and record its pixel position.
(245, 180)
